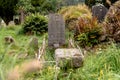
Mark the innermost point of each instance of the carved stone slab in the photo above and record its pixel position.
(56, 30)
(99, 11)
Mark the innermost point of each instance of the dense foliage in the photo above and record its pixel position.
(35, 24)
(101, 61)
(25, 5)
(103, 66)
(42, 6)
(47, 5)
(7, 9)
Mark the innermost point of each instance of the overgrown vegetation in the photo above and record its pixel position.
(25, 5)
(47, 5)
(72, 13)
(102, 62)
(103, 65)
(14, 54)
(87, 32)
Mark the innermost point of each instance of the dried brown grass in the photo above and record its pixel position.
(27, 67)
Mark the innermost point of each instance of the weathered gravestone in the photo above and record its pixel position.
(11, 23)
(99, 11)
(34, 43)
(9, 39)
(56, 30)
(2, 24)
(70, 58)
(22, 15)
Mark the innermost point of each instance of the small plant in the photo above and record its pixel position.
(87, 32)
(35, 24)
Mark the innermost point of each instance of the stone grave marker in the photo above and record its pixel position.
(56, 30)
(3, 24)
(99, 11)
(71, 58)
(22, 15)
(11, 23)
(34, 43)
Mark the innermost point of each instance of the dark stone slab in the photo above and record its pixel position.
(56, 30)
(99, 11)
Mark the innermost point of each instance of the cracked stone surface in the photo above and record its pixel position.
(70, 58)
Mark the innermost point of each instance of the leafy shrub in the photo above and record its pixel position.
(35, 24)
(72, 13)
(87, 32)
(112, 22)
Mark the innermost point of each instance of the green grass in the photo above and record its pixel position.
(105, 65)
(21, 46)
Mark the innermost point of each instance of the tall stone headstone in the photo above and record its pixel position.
(56, 30)
(99, 11)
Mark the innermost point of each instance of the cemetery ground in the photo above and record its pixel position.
(100, 64)
(70, 44)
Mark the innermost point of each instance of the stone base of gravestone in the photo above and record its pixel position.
(2, 24)
(68, 58)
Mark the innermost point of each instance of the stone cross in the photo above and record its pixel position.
(99, 11)
(56, 30)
